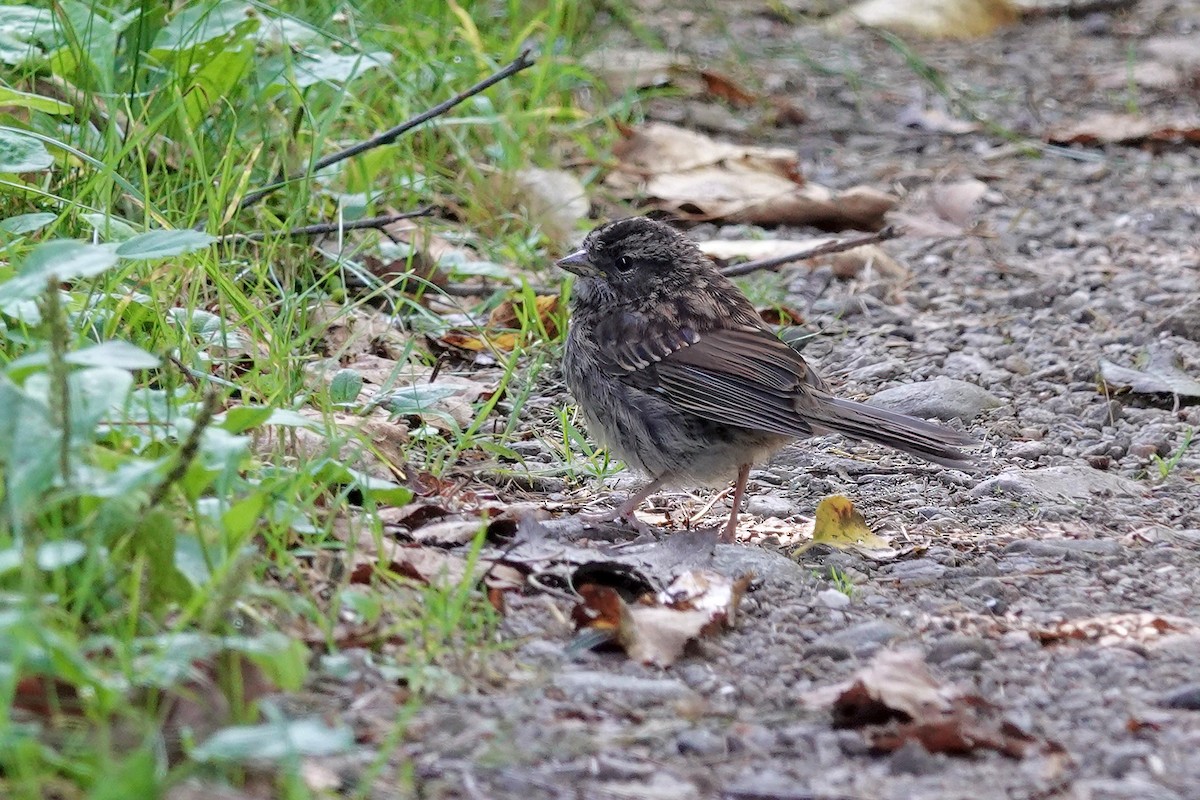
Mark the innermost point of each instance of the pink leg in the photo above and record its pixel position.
(739, 490)
(626, 510)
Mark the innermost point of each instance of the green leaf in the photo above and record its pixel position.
(377, 489)
(163, 244)
(118, 354)
(65, 259)
(27, 438)
(89, 58)
(27, 223)
(113, 229)
(273, 742)
(20, 152)
(21, 27)
(332, 67)
(37, 102)
(345, 386)
(56, 555)
(202, 22)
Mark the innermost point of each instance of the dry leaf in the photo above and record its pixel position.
(384, 458)
(935, 19)
(503, 330)
(658, 629)
(941, 210)
(431, 566)
(1161, 375)
(1117, 630)
(1110, 128)
(934, 119)
(555, 201)
(695, 177)
(896, 700)
(625, 70)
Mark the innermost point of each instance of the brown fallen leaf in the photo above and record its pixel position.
(895, 699)
(935, 19)
(1117, 630)
(942, 209)
(1114, 128)
(504, 329)
(695, 177)
(657, 629)
(432, 566)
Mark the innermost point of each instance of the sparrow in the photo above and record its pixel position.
(677, 375)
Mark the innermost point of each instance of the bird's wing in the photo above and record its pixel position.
(744, 376)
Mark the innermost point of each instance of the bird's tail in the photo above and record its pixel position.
(927, 440)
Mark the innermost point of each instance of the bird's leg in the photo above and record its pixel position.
(626, 510)
(739, 490)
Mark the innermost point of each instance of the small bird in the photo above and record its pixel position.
(678, 376)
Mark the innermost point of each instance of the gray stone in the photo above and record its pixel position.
(770, 505)
(1071, 482)
(1186, 698)
(832, 598)
(594, 684)
(862, 639)
(940, 398)
(701, 742)
(1184, 321)
(951, 647)
(919, 571)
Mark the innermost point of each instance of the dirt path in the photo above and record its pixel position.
(1091, 255)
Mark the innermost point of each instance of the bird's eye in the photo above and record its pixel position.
(625, 265)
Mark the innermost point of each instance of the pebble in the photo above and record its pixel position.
(701, 742)
(940, 398)
(594, 685)
(918, 571)
(770, 505)
(862, 639)
(1072, 482)
(1186, 698)
(1184, 321)
(951, 647)
(912, 759)
(832, 598)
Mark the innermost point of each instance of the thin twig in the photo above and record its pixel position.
(322, 228)
(190, 448)
(828, 248)
(521, 62)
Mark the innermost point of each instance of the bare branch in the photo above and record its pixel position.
(322, 228)
(839, 246)
(521, 62)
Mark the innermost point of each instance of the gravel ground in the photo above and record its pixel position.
(1091, 255)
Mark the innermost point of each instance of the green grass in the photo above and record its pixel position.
(157, 549)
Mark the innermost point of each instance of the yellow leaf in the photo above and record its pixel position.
(937, 19)
(469, 31)
(839, 524)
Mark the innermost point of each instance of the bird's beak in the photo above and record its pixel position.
(578, 263)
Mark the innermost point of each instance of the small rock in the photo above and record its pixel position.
(952, 646)
(832, 598)
(701, 742)
(1186, 698)
(941, 398)
(1072, 482)
(594, 684)
(1184, 321)
(912, 759)
(770, 505)
(917, 571)
(863, 639)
